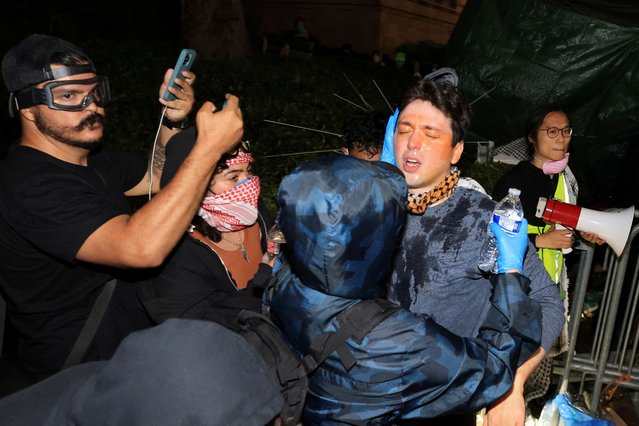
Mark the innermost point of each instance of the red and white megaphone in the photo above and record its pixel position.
(612, 226)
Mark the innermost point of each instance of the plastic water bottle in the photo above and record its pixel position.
(274, 240)
(508, 214)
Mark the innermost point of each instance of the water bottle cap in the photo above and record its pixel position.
(514, 191)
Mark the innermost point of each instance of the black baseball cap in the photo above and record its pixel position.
(29, 62)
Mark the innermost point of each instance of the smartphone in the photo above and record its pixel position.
(184, 63)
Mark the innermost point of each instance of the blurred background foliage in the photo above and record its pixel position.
(297, 90)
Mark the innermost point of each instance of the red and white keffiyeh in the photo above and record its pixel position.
(241, 157)
(233, 209)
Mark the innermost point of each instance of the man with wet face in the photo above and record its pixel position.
(435, 269)
(66, 228)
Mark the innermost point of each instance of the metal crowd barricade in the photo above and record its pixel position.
(607, 359)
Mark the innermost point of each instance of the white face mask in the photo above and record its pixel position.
(552, 167)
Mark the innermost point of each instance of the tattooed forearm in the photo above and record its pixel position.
(159, 158)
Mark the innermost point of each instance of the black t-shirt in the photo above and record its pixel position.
(194, 283)
(48, 208)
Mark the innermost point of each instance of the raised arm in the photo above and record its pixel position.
(145, 238)
(177, 112)
(510, 410)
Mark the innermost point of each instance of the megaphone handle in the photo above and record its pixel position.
(573, 231)
(562, 226)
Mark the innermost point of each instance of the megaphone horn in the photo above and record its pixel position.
(612, 226)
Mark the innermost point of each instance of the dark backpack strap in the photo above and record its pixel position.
(91, 325)
(269, 290)
(284, 363)
(3, 312)
(354, 323)
(269, 333)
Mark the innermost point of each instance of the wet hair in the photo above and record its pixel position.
(365, 132)
(446, 99)
(534, 121)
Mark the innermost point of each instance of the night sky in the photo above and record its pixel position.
(90, 19)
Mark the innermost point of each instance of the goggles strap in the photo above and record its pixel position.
(56, 73)
(27, 98)
(13, 106)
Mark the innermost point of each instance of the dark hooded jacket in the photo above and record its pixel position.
(341, 218)
(182, 372)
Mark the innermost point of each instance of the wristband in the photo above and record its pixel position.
(182, 124)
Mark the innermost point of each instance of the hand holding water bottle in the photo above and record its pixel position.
(508, 214)
(511, 247)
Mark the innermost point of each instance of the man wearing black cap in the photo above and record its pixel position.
(66, 230)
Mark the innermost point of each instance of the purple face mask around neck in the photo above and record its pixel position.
(551, 167)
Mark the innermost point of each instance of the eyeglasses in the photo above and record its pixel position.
(244, 146)
(553, 132)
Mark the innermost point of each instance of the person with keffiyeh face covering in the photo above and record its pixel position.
(435, 268)
(229, 210)
(219, 267)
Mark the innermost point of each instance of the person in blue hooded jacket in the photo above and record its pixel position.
(342, 218)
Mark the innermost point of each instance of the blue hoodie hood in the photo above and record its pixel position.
(326, 208)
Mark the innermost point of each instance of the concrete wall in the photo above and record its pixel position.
(409, 21)
(365, 24)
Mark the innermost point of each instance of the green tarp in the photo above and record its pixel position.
(583, 55)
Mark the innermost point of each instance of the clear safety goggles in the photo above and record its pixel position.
(65, 95)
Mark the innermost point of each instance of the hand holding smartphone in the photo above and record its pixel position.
(184, 63)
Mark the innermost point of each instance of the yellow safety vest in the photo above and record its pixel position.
(553, 259)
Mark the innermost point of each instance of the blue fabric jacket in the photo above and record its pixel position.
(341, 218)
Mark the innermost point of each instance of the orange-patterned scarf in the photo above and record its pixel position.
(417, 204)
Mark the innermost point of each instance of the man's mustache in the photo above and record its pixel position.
(89, 121)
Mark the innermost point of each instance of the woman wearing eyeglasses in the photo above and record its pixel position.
(219, 267)
(547, 175)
